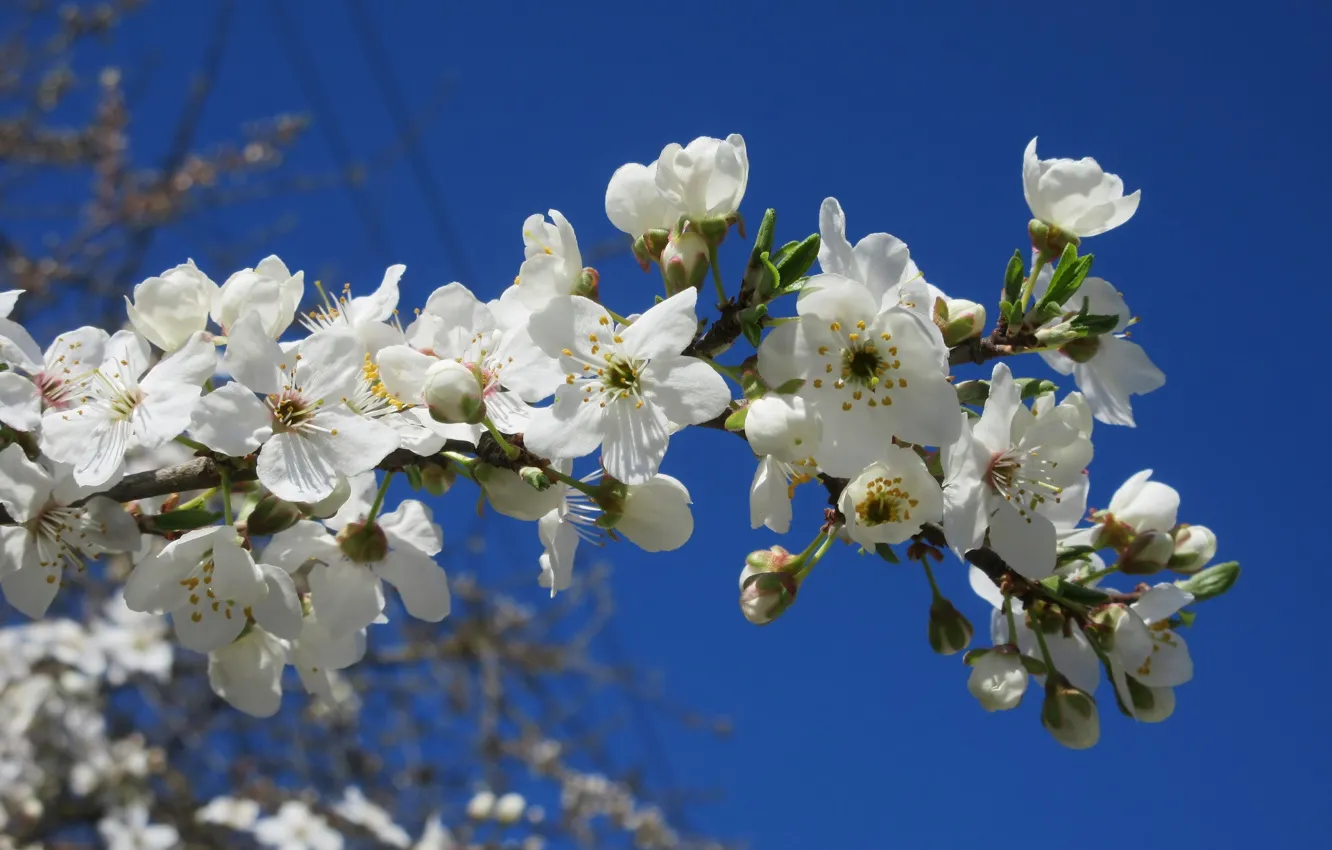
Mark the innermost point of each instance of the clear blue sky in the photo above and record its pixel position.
(850, 733)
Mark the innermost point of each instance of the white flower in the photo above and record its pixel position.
(871, 373)
(891, 499)
(268, 290)
(295, 827)
(1107, 368)
(48, 534)
(122, 402)
(573, 517)
(168, 309)
(356, 808)
(205, 580)
(248, 672)
(625, 385)
(1075, 195)
(998, 680)
(784, 432)
(309, 436)
(129, 829)
(345, 580)
(655, 515)
(55, 380)
(236, 813)
(706, 178)
(509, 808)
(134, 642)
(634, 203)
(364, 315)
(16, 344)
(1007, 471)
(507, 367)
(1145, 647)
(879, 261)
(553, 264)
(509, 494)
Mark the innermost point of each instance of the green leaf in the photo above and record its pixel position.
(1032, 387)
(186, 520)
(763, 240)
(1065, 282)
(1211, 582)
(777, 255)
(793, 264)
(736, 421)
(883, 550)
(972, 392)
(1072, 554)
(1013, 277)
(791, 386)
(1034, 666)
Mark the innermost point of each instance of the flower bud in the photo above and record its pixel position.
(588, 284)
(950, 632)
(772, 560)
(998, 679)
(684, 262)
(535, 478)
(1150, 705)
(1195, 545)
(453, 393)
(363, 542)
(1070, 714)
(1148, 553)
(714, 228)
(1049, 238)
(509, 808)
(271, 515)
(437, 478)
(481, 805)
(958, 319)
(764, 596)
(648, 247)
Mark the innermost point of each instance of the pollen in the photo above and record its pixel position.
(604, 320)
(835, 326)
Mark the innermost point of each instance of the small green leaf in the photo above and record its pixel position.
(1032, 387)
(1034, 666)
(186, 520)
(791, 386)
(1211, 582)
(751, 323)
(972, 392)
(1072, 554)
(883, 550)
(414, 479)
(777, 255)
(763, 239)
(736, 421)
(793, 264)
(1013, 277)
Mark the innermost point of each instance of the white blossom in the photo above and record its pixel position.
(130, 829)
(1075, 195)
(706, 178)
(268, 291)
(998, 680)
(296, 827)
(169, 308)
(55, 379)
(891, 499)
(625, 385)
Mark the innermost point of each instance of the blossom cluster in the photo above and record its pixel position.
(274, 542)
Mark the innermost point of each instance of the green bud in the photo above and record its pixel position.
(684, 262)
(648, 247)
(535, 478)
(1049, 238)
(764, 596)
(1014, 275)
(714, 229)
(949, 631)
(271, 515)
(1077, 349)
(454, 393)
(436, 478)
(1211, 582)
(972, 392)
(1149, 553)
(363, 542)
(1070, 714)
(587, 285)
(961, 320)
(770, 560)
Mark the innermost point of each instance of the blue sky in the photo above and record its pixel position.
(849, 732)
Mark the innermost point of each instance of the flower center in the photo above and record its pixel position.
(858, 370)
(202, 599)
(54, 391)
(622, 375)
(123, 401)
(1023, 479)
(371, 398)
(60, 536)
(290, 410)
(886, 500)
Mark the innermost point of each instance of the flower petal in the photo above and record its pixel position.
(664, 329)
(231, 420)
(420, 582)
(688, 390)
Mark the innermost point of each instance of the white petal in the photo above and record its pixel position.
(1027, 544)
(353, 443)
(235, 575)
(664, 329)
(24, 486)
(330, 365)
(18, 347)
(835, 253)
(348, 596)
(292, 548)
(20, 402)
(688, 390)
(634, 204)
(420, 581)
(231, 420)
(560, 540)
(192, 364)
(1161, 603)
(32, 588)
(279, 611)
(569, 322)
(248, 673)
(635, 442)
(965, 516)
(569, 428)
(412, 525)
(657, 516)
(769, 502)
(164, 413)
(293, 468)
(995, 428)
(252, 357)
(402, 370)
